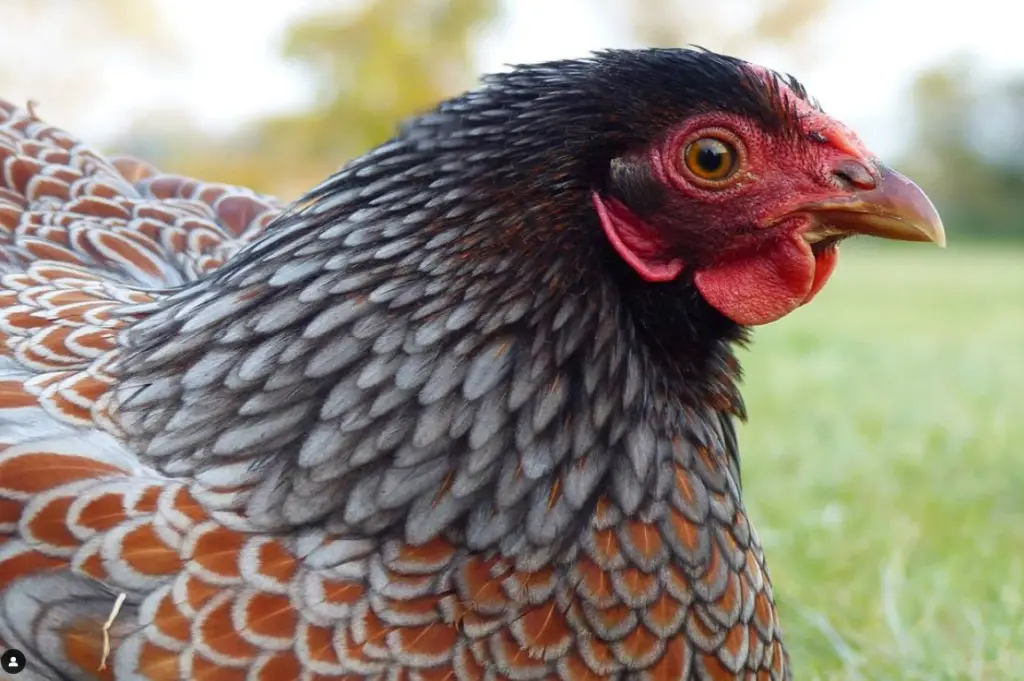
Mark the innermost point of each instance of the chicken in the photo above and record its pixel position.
(464, 411)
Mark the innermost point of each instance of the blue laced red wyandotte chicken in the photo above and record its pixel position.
(464, 411)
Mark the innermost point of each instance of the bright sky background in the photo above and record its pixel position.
(873, 48)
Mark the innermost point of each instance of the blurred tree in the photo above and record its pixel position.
(391, 59)
(371, 66)
(102, 30)
(372, 63)
(967, 148)
(734, 26)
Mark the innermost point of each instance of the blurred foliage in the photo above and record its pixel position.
(967, 148)
(734, 26)
(370, 66)
(112, 30)
(380, 61)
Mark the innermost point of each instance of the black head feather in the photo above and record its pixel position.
(556, 126)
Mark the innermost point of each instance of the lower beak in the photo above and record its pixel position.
(894, 208)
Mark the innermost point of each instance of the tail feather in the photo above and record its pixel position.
(61, 201)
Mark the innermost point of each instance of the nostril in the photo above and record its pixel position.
(854, 174)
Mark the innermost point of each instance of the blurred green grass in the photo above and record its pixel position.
(883, 465)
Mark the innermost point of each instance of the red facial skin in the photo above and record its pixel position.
(755, 267)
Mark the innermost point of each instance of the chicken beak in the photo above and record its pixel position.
(890, 207)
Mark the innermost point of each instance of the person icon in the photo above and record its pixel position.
(12, 661)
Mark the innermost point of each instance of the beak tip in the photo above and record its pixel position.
(898, 197)
(938, 231)
(935, 232)
(893, 208)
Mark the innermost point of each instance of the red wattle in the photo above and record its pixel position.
(824, 265)
(764, 286)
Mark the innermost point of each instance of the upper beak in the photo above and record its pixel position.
(885, 204)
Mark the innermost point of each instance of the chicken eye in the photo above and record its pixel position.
(709, 158)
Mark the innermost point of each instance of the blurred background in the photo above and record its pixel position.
(884, 458)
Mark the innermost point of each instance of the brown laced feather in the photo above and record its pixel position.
(417, 426)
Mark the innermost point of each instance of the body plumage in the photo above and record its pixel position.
(445, 417)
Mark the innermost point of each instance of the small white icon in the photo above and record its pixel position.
(13, 661)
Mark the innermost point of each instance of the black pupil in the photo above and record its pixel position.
(711, 156)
